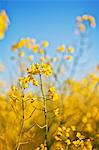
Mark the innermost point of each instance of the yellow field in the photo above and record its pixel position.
(41, 109)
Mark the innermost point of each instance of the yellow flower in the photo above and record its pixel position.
(91, 19)
(56, 111)
(30, 58)
(45, 44)
(55, 97)
(68, 142)
(21, 43)
(24, 81)
(68, 130)
(46, 69)
(13, 88)
(21, 54)
(67, 134)
(32, 40)
(61, 48)
(79, 135)
(57, 138)
(35, 48)
(82, 27)
(93, 24)
(4, 22)
(84, 119)
(70, 49)
(34, 69)
(73, 128)
(85, 17)
(52, 90)
(14, 47)
(41, 147)
(76, 143)
(29, 46)
(60, 129)
(41, 51)
(35, 82)
(89, 127)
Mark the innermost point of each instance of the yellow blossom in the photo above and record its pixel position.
(21, 54)
(46, 69)
(70, 49)
(52, 90)
(82, 27)
(41, 51)
(30, 58)
(84, 119)
(35, 48)
(79, 135)
(24, 81)
(68, 142)
(73, 128)
(45, 44)
(35, 82)
(61, 48)
(56, 111)
(34, 69)
(85, 17)
(4, 22)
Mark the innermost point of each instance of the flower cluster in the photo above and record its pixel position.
(72, 138)
(81, 19)
(29, 43)
(35, 69)
(67, 51)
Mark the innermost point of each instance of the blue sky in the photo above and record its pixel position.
(51, 20)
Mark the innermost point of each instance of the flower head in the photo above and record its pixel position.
(46, 69)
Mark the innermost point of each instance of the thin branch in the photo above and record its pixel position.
(30, 115)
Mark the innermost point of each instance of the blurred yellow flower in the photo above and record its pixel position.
(21, 54)
(41, 51)
(85, 17)
(30, 58)
(61, 48)
(35, 48)
(4, 22)
(70, 49)
(45, 44)
(82, 27)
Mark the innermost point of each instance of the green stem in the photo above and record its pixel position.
(45, 113)
(22, 124)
